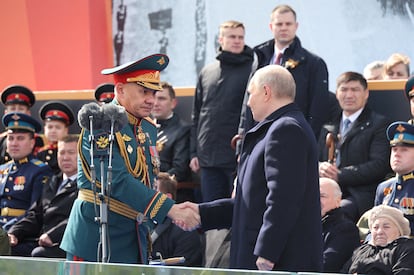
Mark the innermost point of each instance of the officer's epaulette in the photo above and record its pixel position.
(150, 120)
(38, 162)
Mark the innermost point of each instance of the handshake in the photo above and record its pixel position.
(185, 215)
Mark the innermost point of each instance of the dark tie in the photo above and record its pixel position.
(63, 184)
(278, 58)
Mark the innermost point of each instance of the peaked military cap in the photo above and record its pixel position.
(17, 94)
(105, 92)
(21, 122)
(56, 110)
(401, 133)
(144, 72)
(409, 87)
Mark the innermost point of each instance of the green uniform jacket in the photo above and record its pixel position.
(135, 164)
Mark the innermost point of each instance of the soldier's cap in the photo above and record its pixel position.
(56, 110)
(144, 72)
(400, 133)
(105, 92)
(19, 122)
(17, 94)
(409, 87)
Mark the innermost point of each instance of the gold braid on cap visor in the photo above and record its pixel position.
(148, 80)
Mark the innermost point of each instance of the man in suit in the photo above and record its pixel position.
(309, 70)
(40, 232)
(358, 153)
(275, 215)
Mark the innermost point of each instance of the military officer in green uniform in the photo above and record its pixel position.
(22, 178)
(134, 205)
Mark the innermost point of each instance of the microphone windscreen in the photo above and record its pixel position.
(87, 110)
(115, 114)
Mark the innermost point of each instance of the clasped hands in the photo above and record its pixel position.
(185, 215)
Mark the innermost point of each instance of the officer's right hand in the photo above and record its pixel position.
(13, 240)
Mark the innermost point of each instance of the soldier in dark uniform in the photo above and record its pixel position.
(16, 98)
(398, 191)
(22, 178)
(173, 141)
(57, 117)
(39, 233)
(104, 93)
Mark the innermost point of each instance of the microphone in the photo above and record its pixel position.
(114, 118)
(88, 111)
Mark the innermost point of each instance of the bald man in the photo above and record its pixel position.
(275, 215)
(340, 235)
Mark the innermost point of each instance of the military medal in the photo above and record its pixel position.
(141, 137)
(130, 149)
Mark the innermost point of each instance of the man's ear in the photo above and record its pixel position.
(119, 88)
(267, 92)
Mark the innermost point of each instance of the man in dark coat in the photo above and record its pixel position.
(216, 112)
(173, 141)
(40, 232)
(309, 70)
(361, 160)
(340, 235)
(275, 215)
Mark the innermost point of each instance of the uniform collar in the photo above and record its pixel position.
(23, 160)
(407, 176)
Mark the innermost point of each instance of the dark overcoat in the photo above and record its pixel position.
(276, 211)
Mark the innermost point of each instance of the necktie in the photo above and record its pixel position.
(63, 184)
(278, 58)
(345, 127)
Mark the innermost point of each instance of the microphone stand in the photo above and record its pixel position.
(102, 250)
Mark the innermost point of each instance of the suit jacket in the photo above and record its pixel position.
(276, 211)
(175, 151)
(49, 214)
(364, 156)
